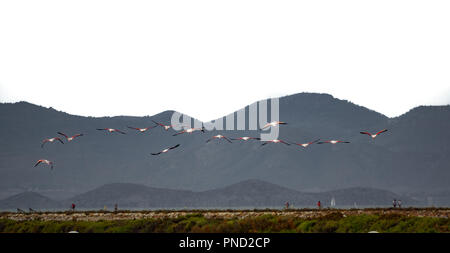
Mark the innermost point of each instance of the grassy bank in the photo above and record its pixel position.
(331, 223)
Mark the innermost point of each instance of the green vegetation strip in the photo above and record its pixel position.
(197, 223)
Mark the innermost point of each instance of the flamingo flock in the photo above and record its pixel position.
(202, 129)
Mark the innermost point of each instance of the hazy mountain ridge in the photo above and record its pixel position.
(245, 194)
(28, 200)
(412, 156)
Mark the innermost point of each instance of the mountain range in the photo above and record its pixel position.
(248, 194)
(412, 157)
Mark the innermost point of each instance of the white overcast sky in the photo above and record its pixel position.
(209, 58)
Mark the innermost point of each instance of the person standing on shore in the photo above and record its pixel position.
(73, 207)
(319, 205)
(399, 202)
(394, 203)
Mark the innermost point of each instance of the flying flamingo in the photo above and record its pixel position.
(190, 130)
(51, 140)
(273, 123)
(110, 130)
(166, 127)
(275, 141)
(374, 135)
(219, 137)
(306, 144)
(142, 130)
(332, 142)
(246, 138)
(166, 150)
(70, 138)
(44, 161)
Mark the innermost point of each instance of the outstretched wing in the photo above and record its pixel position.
(182, 132)
(265, 126)
(285, 142)
(176, 146)
(314, 141)
(63, 135)
(158, 123)
(382, 131)
(119, 131)
(77, 135)
(365, 133)
(59, 140)
(38, 162)
(134, 128)
(156, 153)
(227, 139)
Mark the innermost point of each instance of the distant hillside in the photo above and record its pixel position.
(246, 194)
(413, 156)
(253, 193)
(28, 200)
(365, 197)
(131, 196)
